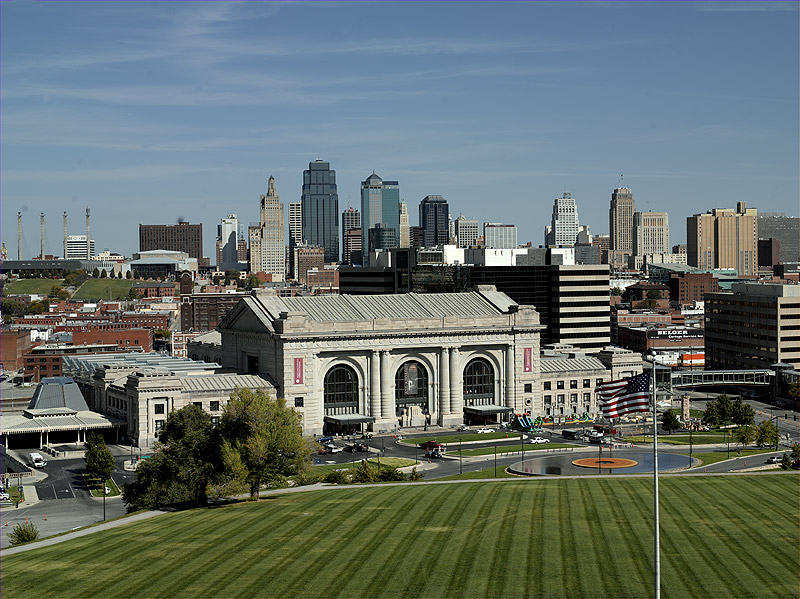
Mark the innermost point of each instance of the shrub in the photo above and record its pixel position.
(337, 477)
(414, 475)
(363, 473)
(390, 474)
(308, 477)
(23, 533)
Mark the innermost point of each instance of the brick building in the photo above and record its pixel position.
(183, 237)
(154, 289)
(148, 320)
(46, 360)
(204, 311)
(14, 344)
(132, 339)
(688, 288)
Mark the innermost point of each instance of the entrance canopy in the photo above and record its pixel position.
(488, 409)
(345, 419)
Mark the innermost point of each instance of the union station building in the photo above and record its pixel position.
(383, 362)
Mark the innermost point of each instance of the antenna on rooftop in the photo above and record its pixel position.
(620, 181)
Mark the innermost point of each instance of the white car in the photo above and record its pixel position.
(4, 496)
(485, 430)
(540, 440)
(333, 448)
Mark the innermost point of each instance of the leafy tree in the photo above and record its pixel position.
(95, 274)
(767, 433)
(23, 533)
(363, 473)
(786, 462)
(99, 461)
(215, 279)
(794, 391)
(181, 469)
(745, 435)
(46, 274)
(233, 274)
(390, 474)
(718, 411)
(162, 334)
(252, 282)
(414, 475)
(38, 307)
(128, 275)
(11, 307)
(76, 278)
(337, 477)
(741, 413)
(670, 422)
(262, 439)
(136, 274)
(617, 291)
(133, 294)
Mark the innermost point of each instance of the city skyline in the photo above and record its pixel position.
(151, 114)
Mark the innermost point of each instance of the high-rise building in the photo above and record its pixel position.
(228, 243)
(650, 233)
(405, 231)
(273, 244)
(415, 237)
(76, 248)
(254, 255)
(564, 226)
(380, 204)
(466, 231)
(724, 238)
(351, 219)
(382, 237)
(183, 237)
(786, 229)
(308, 257)
(620, 226)
(434, 219)
(320, 209)
(499, 236)
(295, 232)
(351, 252)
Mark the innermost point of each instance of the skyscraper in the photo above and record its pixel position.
(380, 204)
(650, 233)
(267, 244)
(724, 238)
(499, 236)
(434, 219)
(564, 225)
(320, 209)
(295, 231)
(405, 231)
(466, 231)
(620, 226)
(183, 237)
(228, 243)
(351, 219)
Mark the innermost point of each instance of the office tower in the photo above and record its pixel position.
(724, 238)
(273, 248)
(405, 232)
(466, 231)
(254, 255)
(308, 257)
(382, 237)
(786, 229)
(320, 209)
(351, 252)
(451, 230)
(650, 233)
(434, 219)
(415, 237)
(499, 236)
(295, 233)
(564, 227)
(228, 243)
(380, 204)
(351, 219)
(183, 237)
(620, 226)
(76, 248)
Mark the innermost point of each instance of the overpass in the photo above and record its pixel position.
(709, 378)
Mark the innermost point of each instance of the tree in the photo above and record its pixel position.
(136, 274)
(767, 434)
(262, 439)
(128, 275)
(252, 282)
(617, 291)
(119, 274)
(718, 411)
(99, 461)
(38, 307)
(95, 274)
(23, 533)
(133, 294)
(745, 436)
(363, 473)
(670, 422)
(182, 466)
(742, 413)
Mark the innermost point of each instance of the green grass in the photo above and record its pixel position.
(103, 289)
(721, 536)
(499, 472)
(510, 448)
(718, 456)
(97, 490)
(681, 438)
(452, 439)
(373, 461)
(38, 286)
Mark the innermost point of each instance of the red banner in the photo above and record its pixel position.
(527, 359)
(298, 371)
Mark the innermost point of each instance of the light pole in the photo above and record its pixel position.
(522, 449)
(460, 460)
(495, 460)
(691, 427)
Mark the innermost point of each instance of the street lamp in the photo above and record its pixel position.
(495, 460)
(460, 460)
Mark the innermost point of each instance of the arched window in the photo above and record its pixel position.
(411, 385)
(341, 387)
(478, 381)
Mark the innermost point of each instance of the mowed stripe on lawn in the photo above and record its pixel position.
(731, 536)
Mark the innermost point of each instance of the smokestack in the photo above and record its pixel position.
(88, 237)
(41, 218)
(64, 255)
(19, 235)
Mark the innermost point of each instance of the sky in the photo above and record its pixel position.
(154, 112)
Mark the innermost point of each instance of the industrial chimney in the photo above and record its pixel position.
(41, 218)
(64, 255)
(19, 235)
(88, 237)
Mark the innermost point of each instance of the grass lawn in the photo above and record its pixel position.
(721, 536)
(709, 438)
(42, 286)
(717, 456)
(500, 472)
(103, 289)
(97, 490)
(509, 448)
(373, 461)
(452, 439)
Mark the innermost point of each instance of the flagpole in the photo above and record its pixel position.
(657, 551)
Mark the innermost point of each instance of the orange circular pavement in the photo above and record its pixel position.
(604, 463)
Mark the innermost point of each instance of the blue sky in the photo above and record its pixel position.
(151, 112)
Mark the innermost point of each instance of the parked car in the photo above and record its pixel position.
(538, 440)
(333, 448)
(433, 454)
(485, 430)
(461, 427)
(355, 447)
(775, 459)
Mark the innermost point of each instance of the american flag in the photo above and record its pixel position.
(626, 395)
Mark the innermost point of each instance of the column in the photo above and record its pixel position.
(456, 380)
(444, 381)
(510, 376)
(375, 386)
(387, 399)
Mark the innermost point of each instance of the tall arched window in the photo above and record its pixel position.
(341, 390)
(411, 385)
(479, 382)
